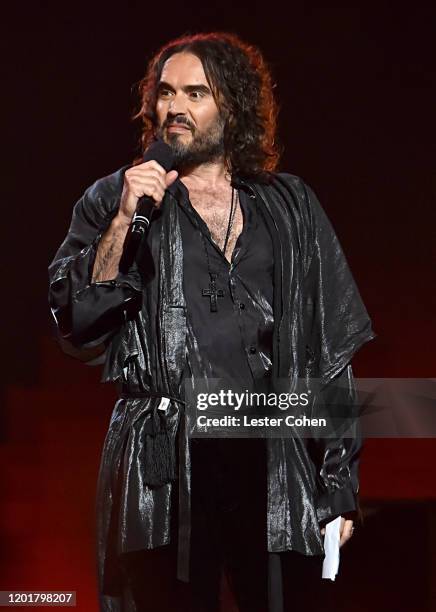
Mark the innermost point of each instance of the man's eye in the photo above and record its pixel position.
(197, 94)
(164, 92)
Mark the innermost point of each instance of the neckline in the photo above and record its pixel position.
(244, 237)
(236, 181)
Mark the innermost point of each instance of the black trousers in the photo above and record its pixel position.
(228, 534)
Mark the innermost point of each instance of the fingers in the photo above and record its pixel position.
(171, 177)
(149, 167)
(150, 176)
(147, 179)
(148, 186)
(346, 531)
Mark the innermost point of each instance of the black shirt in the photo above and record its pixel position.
(234, 343)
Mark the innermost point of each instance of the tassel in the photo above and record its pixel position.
(160, 456)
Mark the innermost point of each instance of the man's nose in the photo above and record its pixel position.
(177, 105)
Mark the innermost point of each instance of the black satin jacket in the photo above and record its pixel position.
(320, 322)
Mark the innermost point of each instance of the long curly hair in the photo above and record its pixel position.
(242, 86)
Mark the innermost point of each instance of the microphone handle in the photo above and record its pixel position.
(142, 217)
(135, 246)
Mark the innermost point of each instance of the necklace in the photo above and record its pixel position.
(231, 219)
(212, 292)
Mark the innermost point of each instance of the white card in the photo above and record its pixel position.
(330, 565)
(164, 403)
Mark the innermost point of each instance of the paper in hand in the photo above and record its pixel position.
(330, 565)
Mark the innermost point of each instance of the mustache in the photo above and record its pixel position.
(178, 121)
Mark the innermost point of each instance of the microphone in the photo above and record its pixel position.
(161, 152)
(136, 246)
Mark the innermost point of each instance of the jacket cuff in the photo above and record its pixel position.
(101, 308)
(341, 502)
(88, 312)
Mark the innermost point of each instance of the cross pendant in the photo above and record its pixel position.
(213, 293)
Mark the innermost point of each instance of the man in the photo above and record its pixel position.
(243, 278)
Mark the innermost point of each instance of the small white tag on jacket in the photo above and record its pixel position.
(330, 565)
(164, 402)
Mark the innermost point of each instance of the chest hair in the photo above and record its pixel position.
(214, 209)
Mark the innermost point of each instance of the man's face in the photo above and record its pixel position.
(188, 117)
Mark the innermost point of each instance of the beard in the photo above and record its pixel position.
(205, 146)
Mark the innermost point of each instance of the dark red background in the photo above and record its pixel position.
(357, 86)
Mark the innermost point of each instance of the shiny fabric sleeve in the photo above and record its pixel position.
(338, 456)
(87, 313)
(338, 325)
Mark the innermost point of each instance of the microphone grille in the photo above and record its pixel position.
(161, 152)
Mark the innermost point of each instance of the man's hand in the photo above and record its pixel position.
(345, 530)
(148, 179)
